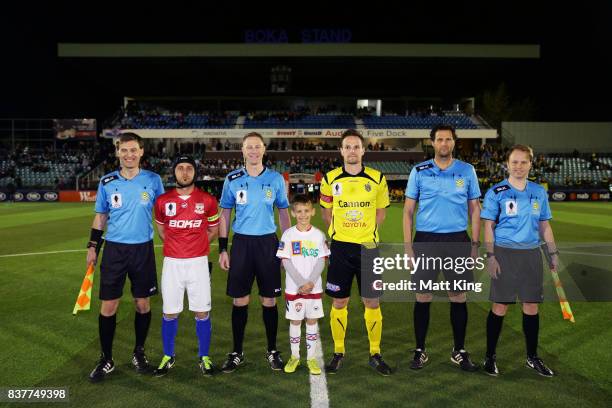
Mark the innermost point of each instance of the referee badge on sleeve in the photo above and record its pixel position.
(511, 208)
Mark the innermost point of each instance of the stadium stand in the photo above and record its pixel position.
(425, 121)
(142, 116)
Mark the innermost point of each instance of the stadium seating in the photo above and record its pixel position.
(175, 121)
(49, 178)
(460, 121)
(576, 170)
(151, 119)
(329, 121)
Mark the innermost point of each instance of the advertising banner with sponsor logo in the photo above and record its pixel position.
(579, 195)
(32, 196)
(81, 129)
(73, 196)
(293, 133)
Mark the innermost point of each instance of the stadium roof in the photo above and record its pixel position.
(367, 50)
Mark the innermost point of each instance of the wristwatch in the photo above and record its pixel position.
(554, 253)
(92, 244)
(490, 255)
(475, 243)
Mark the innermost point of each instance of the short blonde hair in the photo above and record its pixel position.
(253, 134)
(521, 148)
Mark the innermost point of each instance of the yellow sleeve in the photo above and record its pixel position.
(382, 198)
(325, 197)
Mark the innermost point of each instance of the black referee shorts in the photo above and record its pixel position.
(521, 275)
(254, 257)
(134, 260)
(348, 260)
(435, 249)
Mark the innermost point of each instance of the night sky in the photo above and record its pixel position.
(571, 81)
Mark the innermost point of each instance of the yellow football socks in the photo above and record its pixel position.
(338, 318)
(373, 321)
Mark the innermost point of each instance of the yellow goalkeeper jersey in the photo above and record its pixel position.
(354, 201)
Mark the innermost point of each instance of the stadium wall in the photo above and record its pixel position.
(560, 137)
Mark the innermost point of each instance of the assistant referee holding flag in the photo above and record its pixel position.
(517, 214)
(124, 206)
(354, 200)
(446, 190)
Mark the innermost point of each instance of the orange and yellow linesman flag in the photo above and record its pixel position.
(83, 301)
(565, 306)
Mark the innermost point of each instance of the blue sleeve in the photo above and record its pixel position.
(101, 201)
(227, 198)
(281, 200)
(412, 188)
(474, 189)
(545, 213)
(490, 210)
(159, 186)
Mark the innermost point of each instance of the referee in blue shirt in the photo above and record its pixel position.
(123, 205)
(517, 214)
(446, 191)
(253, 191)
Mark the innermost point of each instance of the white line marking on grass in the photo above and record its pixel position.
(318, 383)
(64, 251)
(44, 253)
(584, 253)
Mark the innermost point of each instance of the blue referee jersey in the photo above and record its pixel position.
(129, 205)
(516, 213)
(442, 195)
(254, 199)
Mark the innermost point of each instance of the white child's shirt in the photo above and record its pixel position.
(303, 248)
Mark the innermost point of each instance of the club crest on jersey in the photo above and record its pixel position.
(145, 197)
(199, 208)
(268, 194)
(241, 197)
(337, 189)
(368, 187)
(459, 183)
(116, 201)
(354, 215)
(535, 207)
(511, 208)
(183, 205)
(298, 307)
(296, 247)
(170, 209)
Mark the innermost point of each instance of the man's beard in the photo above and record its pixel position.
(181, 185)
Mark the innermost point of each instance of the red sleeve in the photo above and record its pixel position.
(159, 213)
(212, 213)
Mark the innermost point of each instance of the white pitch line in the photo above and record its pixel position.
(64, 251)
(584, 253)
(318, 383)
